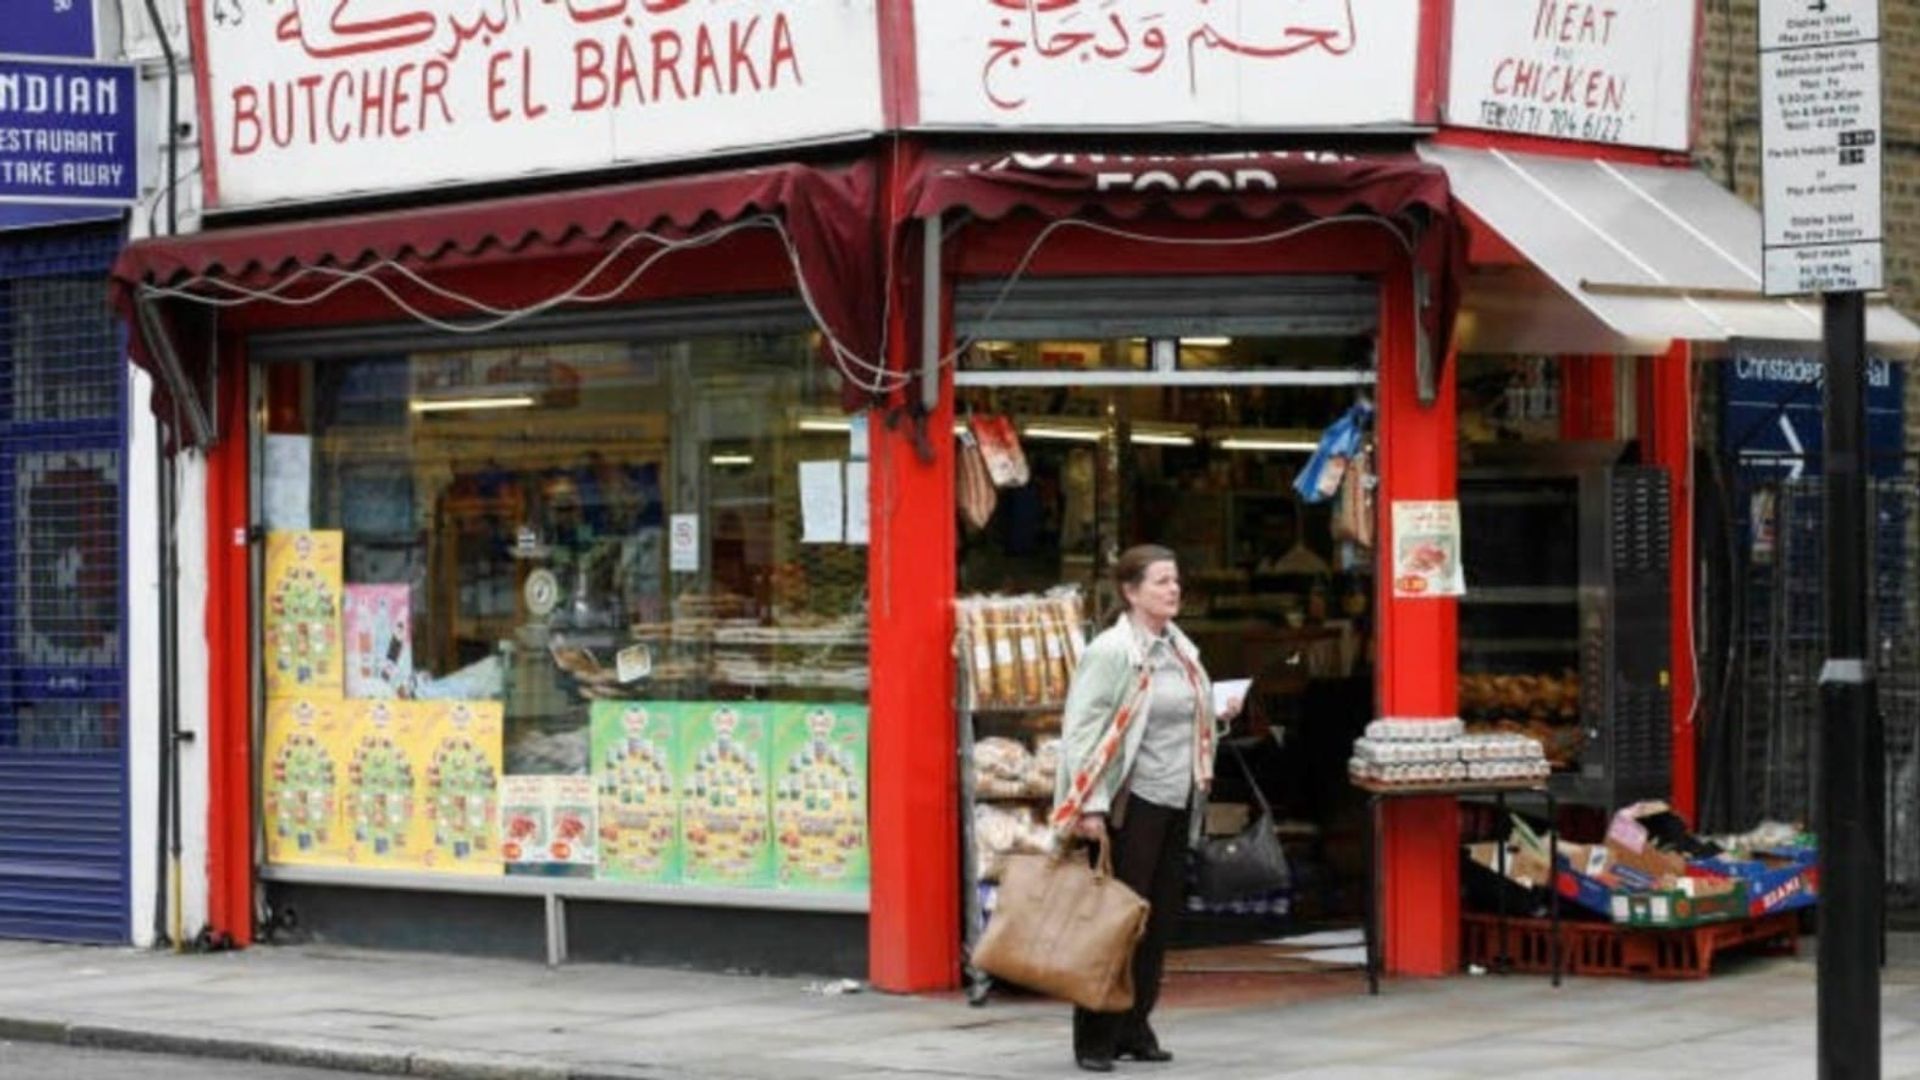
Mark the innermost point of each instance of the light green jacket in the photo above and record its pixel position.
(1106, 719)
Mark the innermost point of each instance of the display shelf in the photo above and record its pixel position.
(554, 893)
(569, 888)
(1522, 595)
(1508, 646)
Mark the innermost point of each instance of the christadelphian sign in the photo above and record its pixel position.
(315, 99)
(1165, 63)
(1565, 69)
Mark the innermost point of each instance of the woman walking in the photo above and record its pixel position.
(1136, 749)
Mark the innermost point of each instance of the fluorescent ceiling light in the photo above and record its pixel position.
(1207, 342)
(1286, 446)
(1065, 434)
(1161, 434)
(826, 425)
(433, 405)
(732, 459)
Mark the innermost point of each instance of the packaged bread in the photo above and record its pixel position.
(977, 652)
(1026, 632)
(1006, 656)
(1045, 769)
(1053, 650)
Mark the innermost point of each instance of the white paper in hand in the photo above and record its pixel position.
(1224, 693)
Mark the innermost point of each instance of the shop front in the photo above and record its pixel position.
(69, 767)
(1167, 335)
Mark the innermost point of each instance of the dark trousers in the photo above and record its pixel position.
(1149, 855)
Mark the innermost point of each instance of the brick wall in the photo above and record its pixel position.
(1727, 143)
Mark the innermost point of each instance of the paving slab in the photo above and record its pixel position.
(462, 1018)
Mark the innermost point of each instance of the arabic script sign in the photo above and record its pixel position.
(1159, 63)
(1594, 72)
(319, 98)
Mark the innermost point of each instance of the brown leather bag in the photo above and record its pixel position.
(1065, 928)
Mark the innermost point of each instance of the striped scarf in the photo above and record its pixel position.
(1133, 709)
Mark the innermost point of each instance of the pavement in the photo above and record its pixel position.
(458, 1017)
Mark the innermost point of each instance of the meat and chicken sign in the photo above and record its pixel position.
(320, 98)
(1166, 63)
(1568, 69)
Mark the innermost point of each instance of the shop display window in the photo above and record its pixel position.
(588, 609)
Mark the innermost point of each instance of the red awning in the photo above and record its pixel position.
(829, 214)
(1258, 185)
(1282, 186)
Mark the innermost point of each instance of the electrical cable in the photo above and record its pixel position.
(866, 375)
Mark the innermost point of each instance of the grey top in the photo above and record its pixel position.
(1163, 771)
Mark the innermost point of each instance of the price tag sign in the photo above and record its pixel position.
(1820, 145)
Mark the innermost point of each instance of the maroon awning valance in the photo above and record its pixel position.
(1255, 185)
(829, 214)
(1287, 187)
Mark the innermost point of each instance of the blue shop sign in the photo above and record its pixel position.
(48, 28)
(67, 132)
(1772, 409)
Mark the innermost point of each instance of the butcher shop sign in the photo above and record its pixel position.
(1141, 64)
(314, 99)
(1426, 550)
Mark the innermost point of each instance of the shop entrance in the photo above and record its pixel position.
(1175, 422)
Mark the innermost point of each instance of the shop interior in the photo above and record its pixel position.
(560, 533)
(1272, 592)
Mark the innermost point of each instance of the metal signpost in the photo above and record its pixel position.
(1820, 129)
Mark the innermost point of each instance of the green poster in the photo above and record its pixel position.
(724, 823)
(820, 797)
(636, 772)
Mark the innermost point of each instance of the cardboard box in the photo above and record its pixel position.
(1673, 907)
(1773, 883)
(1650, 864)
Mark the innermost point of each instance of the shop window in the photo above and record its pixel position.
(588, 609)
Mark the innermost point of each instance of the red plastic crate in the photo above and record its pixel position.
(1593, 948)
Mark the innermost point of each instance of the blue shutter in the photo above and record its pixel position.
(63, 760)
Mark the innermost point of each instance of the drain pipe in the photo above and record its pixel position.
(168, 907)
(173, 116)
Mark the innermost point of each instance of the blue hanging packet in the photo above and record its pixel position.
(1320, 479)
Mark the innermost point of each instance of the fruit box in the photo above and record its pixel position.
(1673, 907)
(1773, 883)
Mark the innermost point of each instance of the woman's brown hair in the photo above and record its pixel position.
(1131, 567)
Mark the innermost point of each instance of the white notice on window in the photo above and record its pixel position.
(822, 507)
(288, 475)
(684, 543)
(856, 502)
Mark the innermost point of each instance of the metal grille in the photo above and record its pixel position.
(63, 812)
(1786, 647)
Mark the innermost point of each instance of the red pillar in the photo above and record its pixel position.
(913, 931)
(1670, 432)
(229, 668)
(1586, 397)
(1418, 654)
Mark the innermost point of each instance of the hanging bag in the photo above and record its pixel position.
(1065, 928)
(974, 487)
(1248, 863)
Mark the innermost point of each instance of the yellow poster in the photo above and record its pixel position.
(303, 590)
(303, 782)
(385, 779)
(462, 753)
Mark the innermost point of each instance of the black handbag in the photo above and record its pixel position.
(1248, 863)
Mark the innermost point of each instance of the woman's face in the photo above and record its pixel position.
(1158, 594)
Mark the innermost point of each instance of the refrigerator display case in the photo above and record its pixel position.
(1565, 628)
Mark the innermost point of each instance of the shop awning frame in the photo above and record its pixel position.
(1623, 258)
(826, 218)
(1291, 191)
